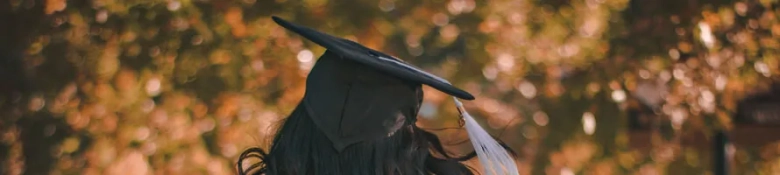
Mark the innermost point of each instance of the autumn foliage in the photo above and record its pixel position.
(183, 86)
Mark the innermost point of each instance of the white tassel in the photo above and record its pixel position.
(493, 157)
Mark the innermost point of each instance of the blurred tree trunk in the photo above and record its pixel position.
(19, 24)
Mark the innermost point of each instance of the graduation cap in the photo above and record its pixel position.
(355, 94)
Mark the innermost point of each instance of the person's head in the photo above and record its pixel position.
(375, 135)
(302, 149)
(358, 116)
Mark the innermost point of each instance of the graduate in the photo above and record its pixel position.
(358, 116)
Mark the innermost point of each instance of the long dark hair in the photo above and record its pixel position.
(300, 149)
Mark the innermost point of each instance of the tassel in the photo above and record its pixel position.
(493, 157)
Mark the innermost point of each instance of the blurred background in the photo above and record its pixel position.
(141, 87)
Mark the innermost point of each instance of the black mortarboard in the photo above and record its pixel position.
(354, 94)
